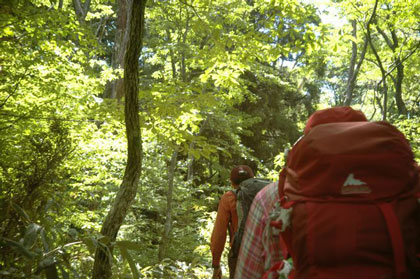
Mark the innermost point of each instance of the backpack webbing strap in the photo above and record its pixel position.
(284, 250)
(397, 242)
(282, 181)
(274, 268)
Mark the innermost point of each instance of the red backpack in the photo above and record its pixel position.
(349, 205)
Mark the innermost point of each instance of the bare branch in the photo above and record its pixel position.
(192, 7)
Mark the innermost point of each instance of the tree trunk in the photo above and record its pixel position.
(115, 88)
(128, 188)
(402, 109)
(393, 45)
(350, 84)
(190, 173)
(81, 10)
(168, 222)
(171, 54)
(380, 65)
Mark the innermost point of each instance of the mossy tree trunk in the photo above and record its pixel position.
(128, 188)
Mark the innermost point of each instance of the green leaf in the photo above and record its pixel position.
(64, 273)
(49, 261)
(350, 38)
(126, 256)
(44, 239)
(104, 240)
(8, 31)
(31, 234)
(195, 153)
(19, 248)
(91, 243)
(130, 245)
(21, 212)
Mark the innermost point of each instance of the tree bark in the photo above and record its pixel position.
(128, 188)
(81, 10)
(190, 172)
(402, 109)
(354, 71)
(350, 84)
(171, 54)
(398, 80)
(380, 65)
(115, 88)
(168, 222)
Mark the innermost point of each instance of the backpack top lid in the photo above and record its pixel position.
(363, 160)
(332, 115)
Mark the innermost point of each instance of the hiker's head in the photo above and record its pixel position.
(335, 114)
(239, 174)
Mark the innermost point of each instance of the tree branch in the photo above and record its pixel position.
(192, 7)
(386, 38)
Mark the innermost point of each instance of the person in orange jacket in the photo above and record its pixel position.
(227, 220)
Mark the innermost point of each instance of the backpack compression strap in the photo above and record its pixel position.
(397, 242)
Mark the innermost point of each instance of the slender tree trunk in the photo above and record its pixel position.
(380, 65)
(171, 54)
(398, 80)
(183, 67)
(402, 109)
(190, 173)
(81, 9)
(354, 70)
(168, 222)
(350, 84)
(115, 88)
(191, 160)
(128, 188)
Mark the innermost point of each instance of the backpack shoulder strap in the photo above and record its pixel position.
(397, 241)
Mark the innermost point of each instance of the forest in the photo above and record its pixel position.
(121, 119)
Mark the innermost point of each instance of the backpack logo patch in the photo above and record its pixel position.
(353, 185)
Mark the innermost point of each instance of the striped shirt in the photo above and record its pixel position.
(259, 251)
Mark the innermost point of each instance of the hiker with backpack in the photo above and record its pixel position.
(263, 252)
(348, 202)
(255, 258)
(231, 216)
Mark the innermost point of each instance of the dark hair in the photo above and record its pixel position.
(240, 173)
